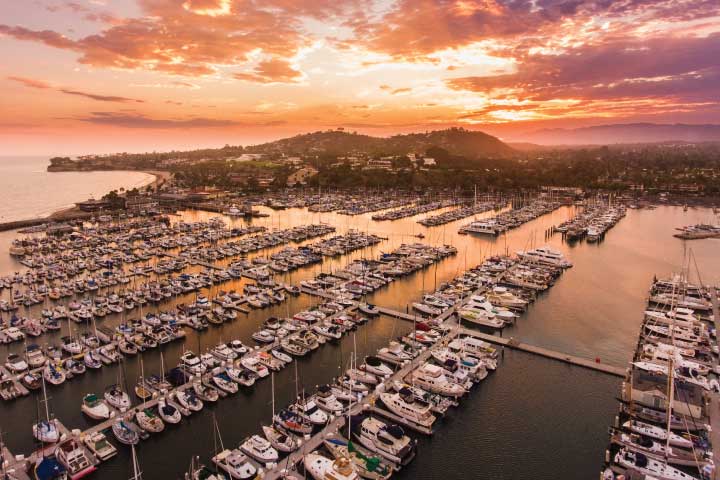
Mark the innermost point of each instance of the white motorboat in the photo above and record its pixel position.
(433, 379)
(410, 408)
(326, 400)
(95, 408)
(309, 410)
(280, 440)
(545, 256)
(236, 464)
(187, 399)
(98, 444)
(15, 363)
(388, 441)
(376, 367)
(72, 456)
(260, 449)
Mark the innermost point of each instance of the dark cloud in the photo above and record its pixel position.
(100, 98)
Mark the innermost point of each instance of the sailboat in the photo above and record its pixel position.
(46, 430)
(279, 439)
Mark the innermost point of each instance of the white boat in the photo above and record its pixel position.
(236, 464)
(192, 363)
(95, 408)
(255, 365)
(263, 336)
(46, 431)
(98, 444)
(481, 317)
(433, 379)
(658, 433)
(259, 449)
(149, 421)
(167, 412)
(224, 383)
(187, 399)
(72, 456)
(545, 256)
(116, 397)
(322, 468)
(15, 363)
(376, 367)
(309, 410)
(650, 467)
(388, 441)
(409, 407)
(326, 400)
(281, 441)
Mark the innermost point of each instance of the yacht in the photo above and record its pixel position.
(310, 412)
(369, 467)
(260, 449)
(322, 468)
(409, 407)
(388, 441)
(326, 400)
(481, 317)
(657, 433)
(652, 468)
(433, 379)
(35, 357)
(545, 256)
(236, 464)
(192, 363)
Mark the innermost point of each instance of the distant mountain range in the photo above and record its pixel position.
(624, 133)
(456, 141)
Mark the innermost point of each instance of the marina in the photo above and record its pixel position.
(347, 275)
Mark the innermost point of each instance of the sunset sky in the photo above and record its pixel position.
(86, 76)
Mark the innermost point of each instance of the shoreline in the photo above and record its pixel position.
(160, 177)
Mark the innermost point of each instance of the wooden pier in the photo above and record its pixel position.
(544, 352)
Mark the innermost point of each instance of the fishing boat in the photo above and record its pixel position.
(71, 454)
(95, 408)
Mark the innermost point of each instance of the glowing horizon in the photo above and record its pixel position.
(87, 76)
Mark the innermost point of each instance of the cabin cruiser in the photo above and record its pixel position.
(98, 444)
(255, 365)
(95, 407)
(72, 456)
(362, 376)
(280, 440)
(238, 347)
(293, 422)
(205, 393)
(388, 441)
(192, 363)
(481, 317)
(310, 412)
(35, 357)
(236, 464)
(224, 382)
(187, 399)
(260, 449)
(326, 400)
(376, 367)
(322, 468)
(395, 353)
(409, 407)
(15, 363)
(371, 468)
(224, 353)
(433, 378)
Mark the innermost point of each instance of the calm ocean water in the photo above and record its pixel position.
(533, 418)
(28, 190)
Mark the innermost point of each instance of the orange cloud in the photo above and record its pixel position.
(275, 70)
(29, 82)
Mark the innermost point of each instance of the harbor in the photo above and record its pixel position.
(395, 302)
